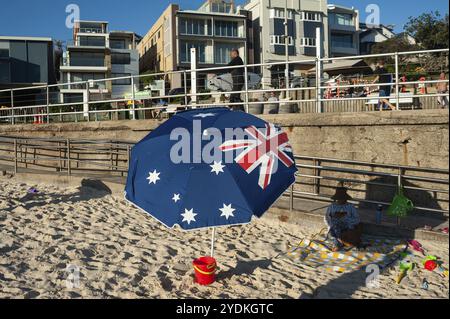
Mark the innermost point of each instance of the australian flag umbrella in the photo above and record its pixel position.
(208, 168)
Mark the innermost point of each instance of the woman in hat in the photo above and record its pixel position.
(343, 221)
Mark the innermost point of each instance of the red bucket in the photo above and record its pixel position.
(205, 270)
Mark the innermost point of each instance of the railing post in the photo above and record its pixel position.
(247, 107)
(194, 77)
(291, 198)
(15, 157)
(133, 94)
(69, 170)
(12, 108)
(185, 88)
(397, 81)
(86, 103)
(318, 70)
(399, 184)
(48, 104)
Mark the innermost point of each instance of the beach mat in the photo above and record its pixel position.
(316, 253)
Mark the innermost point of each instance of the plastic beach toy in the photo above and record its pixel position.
(416, 246)
(405, 266)
(430, 263)
(205, 270)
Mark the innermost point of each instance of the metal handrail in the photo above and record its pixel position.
(64, 155)
(14, 112)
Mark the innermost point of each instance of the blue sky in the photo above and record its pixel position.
(47, 17)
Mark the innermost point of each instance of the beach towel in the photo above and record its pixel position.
(316, 253)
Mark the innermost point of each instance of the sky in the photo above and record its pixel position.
(47, 18)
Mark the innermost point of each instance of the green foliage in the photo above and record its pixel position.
(430, 30)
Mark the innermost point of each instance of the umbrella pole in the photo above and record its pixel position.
(213, 238)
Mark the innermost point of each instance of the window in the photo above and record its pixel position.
(226, 29)
(343, 19)
(279, 40)
(192, 26)
(159, 34)
(222, 53)
(84, 77)
(117, 44)
(310, 16)
(280, 13)
(4, 53)
(221, 7)
(126, 81)
(87, 59)
(5, 75)
(307, 42)
(92, 41)
(342, 40)
(185, 51)
(120, 58)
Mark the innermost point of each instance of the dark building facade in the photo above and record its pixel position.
(26, 62)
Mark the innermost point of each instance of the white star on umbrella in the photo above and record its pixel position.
(227, 211)
(153, 177)
(189, 216)
(217, 168)
(176, 198)
(203, 116)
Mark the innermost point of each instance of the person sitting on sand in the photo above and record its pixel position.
(343, 221)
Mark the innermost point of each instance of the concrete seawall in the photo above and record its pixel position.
(413, 138)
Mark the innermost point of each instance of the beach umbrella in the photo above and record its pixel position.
(209, 168)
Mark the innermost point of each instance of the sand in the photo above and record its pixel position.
(121, 252)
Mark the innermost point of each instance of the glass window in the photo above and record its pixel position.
(280, 13)
(87, 59)
(222, 53)
(126, 81)
(120, 58)
(279, 40)
(4, 53)
(226, 28)
(185, 51)
(342, 40)
(5, 76)
(310, 16)
(117, 44)
(307, 42)
(192, 26)
(92, 41)
(342, 19)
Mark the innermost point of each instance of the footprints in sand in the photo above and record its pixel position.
(122, 253)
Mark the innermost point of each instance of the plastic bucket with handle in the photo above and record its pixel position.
(205, 270)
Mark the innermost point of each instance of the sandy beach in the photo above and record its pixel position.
(123, 253)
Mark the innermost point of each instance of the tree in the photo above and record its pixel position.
(430, 30)
(399, 43)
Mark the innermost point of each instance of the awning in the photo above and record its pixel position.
(352, 66)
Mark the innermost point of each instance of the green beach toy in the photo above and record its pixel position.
(405, 266)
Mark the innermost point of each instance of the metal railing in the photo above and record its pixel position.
(353, 92)
(317, 178)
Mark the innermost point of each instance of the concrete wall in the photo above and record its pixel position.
(415, 138)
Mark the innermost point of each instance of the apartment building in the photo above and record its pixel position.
(26, 62)
(343, 28)
(214, 30)
(268, 24)
(95, 54)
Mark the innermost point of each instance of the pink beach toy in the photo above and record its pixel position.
(416, 246)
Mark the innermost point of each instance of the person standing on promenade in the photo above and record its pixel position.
(383, 78)
(237, 75)
(442, 88)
